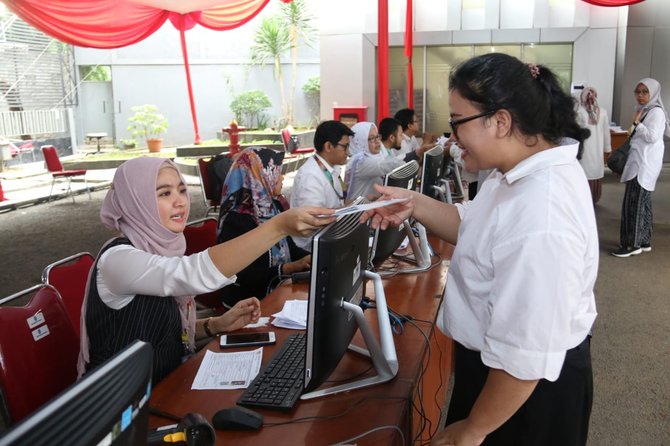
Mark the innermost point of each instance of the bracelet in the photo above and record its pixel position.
(208, 332)
(636, 123)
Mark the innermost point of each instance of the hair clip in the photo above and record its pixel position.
(534, 70)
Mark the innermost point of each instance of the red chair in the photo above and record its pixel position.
(56, 168)
(38, 350)
(291, 146)
(200, 235)
(69, 276)
(211, 201)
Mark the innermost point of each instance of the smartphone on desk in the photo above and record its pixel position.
(247, 339)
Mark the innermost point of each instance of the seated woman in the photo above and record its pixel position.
(142, 287)
(369, 161)
(250, 194)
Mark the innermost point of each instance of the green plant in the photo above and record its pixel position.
(270, 42)
(248, 106)
(297, 19)
(128, 142)
(147, 123)
(312, 90)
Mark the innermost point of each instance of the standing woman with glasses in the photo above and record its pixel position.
(642, 169)
(519, 300)
(369, 161)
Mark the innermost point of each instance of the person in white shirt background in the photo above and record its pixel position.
(318, 182)
(519, 299)
(410, 128)
(369, 161)
(591, 116)
(643, 166)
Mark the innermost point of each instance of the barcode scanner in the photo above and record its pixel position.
(193, 429)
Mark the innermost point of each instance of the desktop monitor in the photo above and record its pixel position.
(339, 257)
(107, 406)
(386, 241)
(431, 175)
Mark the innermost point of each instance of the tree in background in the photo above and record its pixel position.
(270, 42)
(248, 108)
(298, 20)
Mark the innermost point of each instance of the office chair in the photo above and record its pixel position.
(56, 168)
(293, 152)
(209, 195)
(69, 277)
(38, 348)
(200, 235)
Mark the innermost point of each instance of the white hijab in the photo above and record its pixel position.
(358, 149)
(654, 100)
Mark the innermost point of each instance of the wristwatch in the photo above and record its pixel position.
(636, 123)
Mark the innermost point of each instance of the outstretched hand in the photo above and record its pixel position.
(391, 215)
(302, 221)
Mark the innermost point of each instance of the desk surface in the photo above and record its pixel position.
(336, 417)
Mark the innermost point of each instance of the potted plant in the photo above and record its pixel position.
(148, 124)
(128, 144)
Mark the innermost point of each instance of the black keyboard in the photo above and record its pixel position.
(280, 383)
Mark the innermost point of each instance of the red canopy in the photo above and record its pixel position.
(118, 23)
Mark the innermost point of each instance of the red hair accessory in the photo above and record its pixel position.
(534, 70)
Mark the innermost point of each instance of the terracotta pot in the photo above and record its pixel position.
(154, 144)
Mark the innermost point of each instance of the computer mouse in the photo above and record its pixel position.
(237, 418)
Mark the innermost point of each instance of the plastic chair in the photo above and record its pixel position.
(56, 168)
(291, 146)
(69, 276)
(200, 235)
(208, 194)
(38, 351)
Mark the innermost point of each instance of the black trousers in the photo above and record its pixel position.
(556, 414)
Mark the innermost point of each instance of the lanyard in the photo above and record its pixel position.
(329, 175)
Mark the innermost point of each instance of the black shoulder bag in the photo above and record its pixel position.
(617, 159)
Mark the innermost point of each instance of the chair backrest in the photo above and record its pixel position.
(69, 276)
(290, 143)
(200, 235)
(206, 182)
(38, 348)
(51, 158)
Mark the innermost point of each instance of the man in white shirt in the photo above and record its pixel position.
(318, 182)
(410, 128)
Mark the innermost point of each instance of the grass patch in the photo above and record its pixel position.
(129, 154)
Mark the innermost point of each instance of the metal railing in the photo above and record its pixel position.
(32, 122)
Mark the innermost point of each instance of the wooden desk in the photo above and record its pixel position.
(617, 139)
(339, 417)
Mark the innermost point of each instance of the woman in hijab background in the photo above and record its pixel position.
(249, 200)
(369, 161)
(141, 285)
(594, 118)
(643, 166)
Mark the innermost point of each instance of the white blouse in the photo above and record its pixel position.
(645, 158)
(125, 271)
(520, 283)
(595, 145)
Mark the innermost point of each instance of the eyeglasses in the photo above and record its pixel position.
(454, 124)
(374, 138)
(344, 146)
(641, 92)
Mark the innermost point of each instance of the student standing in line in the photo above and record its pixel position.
(642, 169)
(319, 181)
(519, 299)
(141, 285)
(591, 116)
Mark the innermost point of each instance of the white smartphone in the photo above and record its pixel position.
(246, 339)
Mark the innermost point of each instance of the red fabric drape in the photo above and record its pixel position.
(383, 60)
(409, 47)
(117, 23)
(613, 2)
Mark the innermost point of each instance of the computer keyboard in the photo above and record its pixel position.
(280, 383)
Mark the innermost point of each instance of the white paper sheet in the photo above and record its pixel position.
(262, 322)
(293, 315)
(220, 371)
(365, 207)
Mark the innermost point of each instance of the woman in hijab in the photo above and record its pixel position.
(141, 285)
(592, 117)
(369, 161)
(249, 200)
(643, 166)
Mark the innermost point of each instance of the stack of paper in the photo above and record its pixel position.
(293, 315)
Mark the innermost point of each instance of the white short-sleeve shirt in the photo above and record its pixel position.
(520, 284)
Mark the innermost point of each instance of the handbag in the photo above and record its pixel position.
(617, 159)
